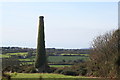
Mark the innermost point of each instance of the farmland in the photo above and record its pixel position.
(66, 58)
(57, 60)
(69, 58)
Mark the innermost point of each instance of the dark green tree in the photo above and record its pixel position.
(41, 59)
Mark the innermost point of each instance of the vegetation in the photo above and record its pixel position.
(10, 63)
(105, 55)
(51, 59)
(41, 58)
(20, 53)
(14, 49)
(46, 76)
(68, 59)
(4, 56)
(102, 60)
(49, 51)
(59, 65)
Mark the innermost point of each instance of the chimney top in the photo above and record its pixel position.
(41, 17)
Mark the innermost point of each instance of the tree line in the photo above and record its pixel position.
(49, 51)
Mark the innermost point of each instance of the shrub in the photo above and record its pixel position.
(59, 70)
(105, 54)
(69, 72)
(52, 70)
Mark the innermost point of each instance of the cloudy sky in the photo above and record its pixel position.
(67, 24)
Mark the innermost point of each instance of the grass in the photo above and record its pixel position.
(57, 59)
(27, 62)
(76, 54)
(21, 53)
(66, 58)
(44, 75)
(37, 75)
(5, 56)
(25, 59)
(47, 76)
(53, 59)
(49, 65)
(61, 58)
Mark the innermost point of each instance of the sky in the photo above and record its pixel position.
(70, 25)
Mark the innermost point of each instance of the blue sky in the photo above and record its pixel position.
(67, 24)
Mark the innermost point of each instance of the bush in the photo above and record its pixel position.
(33, 70)
(66, 71)
(77, 69)
(30, 69)
(6, 76)
(83, 72)
(59, 70)
(52, 70)
(69, 72)
(80, 68)
(105, 54)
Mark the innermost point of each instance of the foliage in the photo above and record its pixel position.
(69, 72)
(14, 49)
(49, 51)
(77, 69)
(10, 64)
(41, 58)
(28, 69)
(6, 76)
(51, 69)
(58, 59)
(51, 59)
(59, 65)
(80, 68)
(105, 55)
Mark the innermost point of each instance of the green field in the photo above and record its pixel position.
(46, 76)
(21, 53)
(25, 59)
(43, 75)
(76, 54)
(61, 58)
(4, 56)
(50, 58)
(55, 65)
(66, 58)
(7, 55)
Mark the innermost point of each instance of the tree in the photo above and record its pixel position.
(41, 59)
(117, 37)
(105, 57)
(10, 63)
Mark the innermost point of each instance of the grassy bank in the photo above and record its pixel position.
(46, 76)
